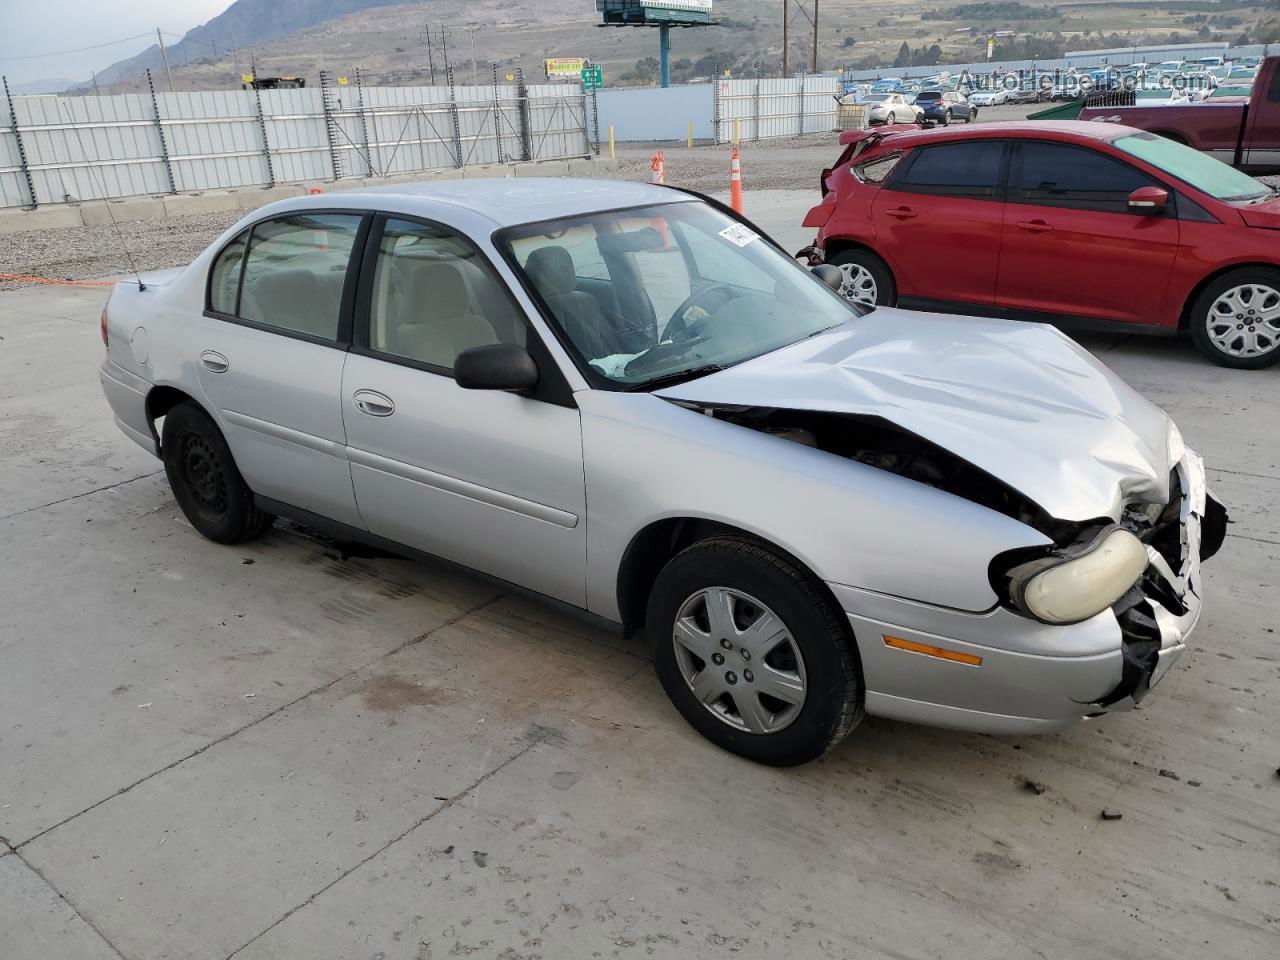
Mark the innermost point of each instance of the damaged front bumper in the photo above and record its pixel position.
(1001, 672)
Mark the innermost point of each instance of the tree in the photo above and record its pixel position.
(904, 55)
(848, 42)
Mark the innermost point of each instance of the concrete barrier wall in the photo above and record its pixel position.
(652, 113)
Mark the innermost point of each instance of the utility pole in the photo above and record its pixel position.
(96, 91)
(475, 76)
(814, 68)
(431, 63)
(165, 57)
(786, 39)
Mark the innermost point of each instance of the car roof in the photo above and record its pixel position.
(1054, 129)
(511, 200)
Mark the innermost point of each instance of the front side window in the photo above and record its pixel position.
(295, 270)
(966, 169)
(435, 295)
(688, 289)
(1055, 175)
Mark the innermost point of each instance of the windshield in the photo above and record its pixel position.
(929, 95)
(1191, 166)
(657, 293)
(877, 98)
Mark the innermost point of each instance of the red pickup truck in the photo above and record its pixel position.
(1245, 135)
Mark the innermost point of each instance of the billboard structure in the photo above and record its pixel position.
(663, 14)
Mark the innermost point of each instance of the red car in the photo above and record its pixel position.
(1071, 222)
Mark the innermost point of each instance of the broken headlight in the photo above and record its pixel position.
(1078, 581)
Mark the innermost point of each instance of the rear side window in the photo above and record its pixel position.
(875, 171)
(1055, 175)
(295, 270)
(968, 169)
(224, 278)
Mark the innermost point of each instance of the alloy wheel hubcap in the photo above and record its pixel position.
(739, 660)
(1245, 320)
(858, 284)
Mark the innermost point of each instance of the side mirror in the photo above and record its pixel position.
(828, 274)
(1148, 200)
(496, 366)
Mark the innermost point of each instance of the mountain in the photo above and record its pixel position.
(244, 23)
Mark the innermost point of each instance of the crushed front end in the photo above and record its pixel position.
(1161, 609)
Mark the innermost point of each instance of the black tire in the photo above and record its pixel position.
(971, 115)
(205, 480)
(890, 119)
(947, 118)
(886, 289)
(833, 701)
(1200, 319)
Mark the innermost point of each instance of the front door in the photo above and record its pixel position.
(1071, 245)
(938, 221)
(270, 351)
(488, 479)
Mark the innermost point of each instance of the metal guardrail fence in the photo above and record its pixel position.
(56, 149)
(762, 108)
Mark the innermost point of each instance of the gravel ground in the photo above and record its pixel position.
(80, 252)
(83, 252)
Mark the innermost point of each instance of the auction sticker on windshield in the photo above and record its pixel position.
(739, 234)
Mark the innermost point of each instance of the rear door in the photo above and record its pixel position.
(488, 479)
(938, 221)
(269, 353)
(1071, 245)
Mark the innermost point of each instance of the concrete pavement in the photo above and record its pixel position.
(275, 751)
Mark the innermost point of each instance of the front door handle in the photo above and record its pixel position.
(373, 403)
(902, 213)
(1034, 226)
(214, 362)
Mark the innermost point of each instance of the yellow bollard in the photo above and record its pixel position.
(611, 141)
(690, 134)
(737, 132)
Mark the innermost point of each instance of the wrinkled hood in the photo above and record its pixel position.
(1019, 400)
(1265, 214)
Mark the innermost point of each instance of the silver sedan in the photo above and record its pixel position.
(627, 398)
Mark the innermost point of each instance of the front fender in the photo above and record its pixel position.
(647, 459)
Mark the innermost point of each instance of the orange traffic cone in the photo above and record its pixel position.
(735, 180)
(658, 168)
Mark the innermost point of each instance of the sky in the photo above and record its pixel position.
(29, 27)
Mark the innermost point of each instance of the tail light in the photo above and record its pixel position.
(102, 325)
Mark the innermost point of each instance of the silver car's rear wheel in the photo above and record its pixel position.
(1245, 321)
(739, 660)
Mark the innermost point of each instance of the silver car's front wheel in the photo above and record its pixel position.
(739, 660)
(858, 284)
(753, 652)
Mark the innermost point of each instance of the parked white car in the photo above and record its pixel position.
(892, 108)
(989, 98)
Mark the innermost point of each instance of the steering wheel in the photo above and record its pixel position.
(680, 329)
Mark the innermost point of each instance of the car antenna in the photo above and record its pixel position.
(102, 187)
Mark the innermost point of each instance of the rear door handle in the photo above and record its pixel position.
(1034, 226)
(902, 213)
(373, 403)
(214, 362)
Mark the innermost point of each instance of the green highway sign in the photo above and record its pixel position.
(592, 78)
